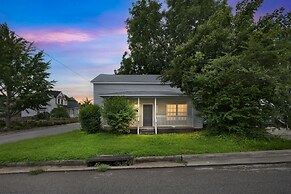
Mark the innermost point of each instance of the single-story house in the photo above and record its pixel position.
(159, 106)
(57, 99)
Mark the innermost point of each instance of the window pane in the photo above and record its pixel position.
(171, 112)
(182, 110)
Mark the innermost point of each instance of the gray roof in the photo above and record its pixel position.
(55, 93)
(73, 104)
(144, 93)
(107, 78)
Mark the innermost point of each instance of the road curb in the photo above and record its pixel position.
(176, 165)
(196, 160)
(158, 159)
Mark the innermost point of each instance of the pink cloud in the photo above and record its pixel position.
(48, 36)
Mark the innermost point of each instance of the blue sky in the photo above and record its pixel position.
(86, 37)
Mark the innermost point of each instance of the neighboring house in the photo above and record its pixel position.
(57, 99)
(73, 108)
(159, 106)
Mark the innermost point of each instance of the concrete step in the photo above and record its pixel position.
(147, 131)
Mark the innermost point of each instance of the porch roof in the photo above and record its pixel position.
(144, 93)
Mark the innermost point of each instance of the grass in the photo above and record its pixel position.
(102, 167)
(79, 145)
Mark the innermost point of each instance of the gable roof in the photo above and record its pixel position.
(55, 93)
(139, 79)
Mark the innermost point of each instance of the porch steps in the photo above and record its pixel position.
(147, 131)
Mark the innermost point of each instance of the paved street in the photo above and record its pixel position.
(38, 132)
(243, 179)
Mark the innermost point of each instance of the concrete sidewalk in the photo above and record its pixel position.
(14, 136)
(197, 160)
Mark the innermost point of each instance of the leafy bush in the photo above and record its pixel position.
(90, 118)
(14, 125)
(119, 112)
(2, 124)
(60, 112)
(43, 115)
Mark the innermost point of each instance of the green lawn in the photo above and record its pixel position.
(79, 145)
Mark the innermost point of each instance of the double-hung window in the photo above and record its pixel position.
(176, 111)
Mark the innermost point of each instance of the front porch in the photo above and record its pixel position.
(170, 114)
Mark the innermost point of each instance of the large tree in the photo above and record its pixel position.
(23, 77)
(236, 70)
(153, 34)
(184, 16)
(146, 40)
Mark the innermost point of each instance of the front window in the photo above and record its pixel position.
(176, 111)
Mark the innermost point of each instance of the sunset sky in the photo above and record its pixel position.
(82, 38)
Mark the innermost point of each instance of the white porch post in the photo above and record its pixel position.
(156, 127)
(138, 116)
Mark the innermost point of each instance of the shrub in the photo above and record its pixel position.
(90, 118)
(14, 125)
(60, 112)
(2, 124)
(43, 116)
(119, 112)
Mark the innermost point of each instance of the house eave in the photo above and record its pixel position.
(128, 83)
(144, 95)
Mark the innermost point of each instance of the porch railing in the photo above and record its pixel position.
(164, 120)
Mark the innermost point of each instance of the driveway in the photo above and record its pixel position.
(37, 132)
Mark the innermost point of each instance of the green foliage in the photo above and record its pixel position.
(86, 102)
(102, 167)
(90, 118)
(23, 77)
(154, 34)
(146, 40)
(36, 123)
(2, 124)
(119, 113)
(237, 71)
(43, 116)
(183, 18)
(60, 112)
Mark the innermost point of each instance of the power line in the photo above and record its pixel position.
(62, 64)
(56, 60)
